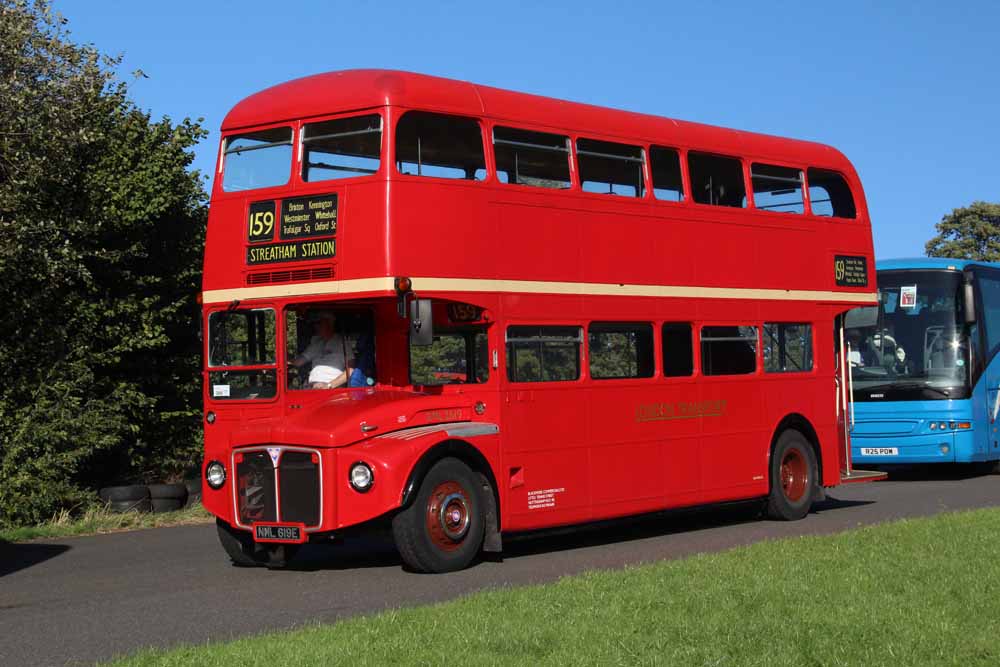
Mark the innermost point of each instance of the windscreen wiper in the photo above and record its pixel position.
(919, 385)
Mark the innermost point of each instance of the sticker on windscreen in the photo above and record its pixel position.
(908, 296)
(220, 390)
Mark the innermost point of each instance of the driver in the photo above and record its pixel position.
(327, 351)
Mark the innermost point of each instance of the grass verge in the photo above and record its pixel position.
(102, 520)
(915, 592)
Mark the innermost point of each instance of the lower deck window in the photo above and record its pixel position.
(543, 354)
(728, 350)
(620, 350)
(787, 347)
(459, 357)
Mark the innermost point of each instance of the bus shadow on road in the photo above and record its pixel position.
(659, 524)
(19, 556)
(352, 553)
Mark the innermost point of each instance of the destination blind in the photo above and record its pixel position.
(305, 217)
(295, 251)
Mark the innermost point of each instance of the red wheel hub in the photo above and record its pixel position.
(794, 475)
(447, 515)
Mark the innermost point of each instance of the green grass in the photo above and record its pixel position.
(102, 520)
(916, 592)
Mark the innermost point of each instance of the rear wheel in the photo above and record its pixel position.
(794, 477)
(442, 529)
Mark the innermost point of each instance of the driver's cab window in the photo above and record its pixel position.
(455, 357)
(328, 347)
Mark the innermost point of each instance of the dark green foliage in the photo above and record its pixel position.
(972, 232)
(101, 229)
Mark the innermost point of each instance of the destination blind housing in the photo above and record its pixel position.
(301, 218)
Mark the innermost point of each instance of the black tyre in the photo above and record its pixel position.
(794, 477)
(244, 552)
(124, 493)
(171, 491)
(442, 529)
(239, 545)
(194, 491)
(166, 504)
(121, 506)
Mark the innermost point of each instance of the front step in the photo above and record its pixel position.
(858, 476)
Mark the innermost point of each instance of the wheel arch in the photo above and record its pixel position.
(471, 456)
(797, 422)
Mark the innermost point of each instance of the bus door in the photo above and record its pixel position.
(544, 428)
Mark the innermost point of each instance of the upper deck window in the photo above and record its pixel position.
(531, 158)
(257, 159)
(777, 188)
(829, 194)
(717, 180)
(610, 168)
(341, 148)
(431, 144)
(665, 166)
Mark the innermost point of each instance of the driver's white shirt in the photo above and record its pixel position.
(327, 357)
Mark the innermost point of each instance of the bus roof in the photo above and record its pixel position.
(348, 90)
(929, 263)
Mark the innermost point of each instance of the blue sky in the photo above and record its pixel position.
(907, 90)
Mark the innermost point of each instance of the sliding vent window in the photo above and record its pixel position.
(777, 188)
(717, 180)
(610, 169)
(620, 350)
(665, 165)
(538, 159)
(257, 160)
(787, 348)
(430, 144)
(829, 194)
(543, 354)
(341, 148)
(728, 350)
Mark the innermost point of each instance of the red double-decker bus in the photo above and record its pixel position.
(466, 312)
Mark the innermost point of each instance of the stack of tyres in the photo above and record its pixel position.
(141, 498)
(168, 497)
(133, 498)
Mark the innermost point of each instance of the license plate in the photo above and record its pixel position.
(279, 532)
(879, 451)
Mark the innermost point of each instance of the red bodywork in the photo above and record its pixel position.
(557, 452)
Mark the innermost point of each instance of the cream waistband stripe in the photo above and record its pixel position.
(361, 285)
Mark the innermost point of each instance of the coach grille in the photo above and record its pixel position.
(290, 493)
(255, 488)
(298, 481)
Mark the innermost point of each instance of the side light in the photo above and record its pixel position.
(215, 474)
(210, 417)
(361, 477)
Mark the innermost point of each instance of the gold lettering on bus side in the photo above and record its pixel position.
(652, 412)
(449, 415)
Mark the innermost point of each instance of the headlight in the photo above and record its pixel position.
(215, 474)
(361, 477)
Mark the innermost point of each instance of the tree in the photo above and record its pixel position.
(101, 229)
(972, 232)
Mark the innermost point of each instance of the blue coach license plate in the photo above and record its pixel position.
(278, 533)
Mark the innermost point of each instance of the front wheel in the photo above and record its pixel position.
(244, 552)
(442, 529)
(793, 477)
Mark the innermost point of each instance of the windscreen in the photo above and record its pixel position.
(918, 348)
(241, 354)
(257, 159)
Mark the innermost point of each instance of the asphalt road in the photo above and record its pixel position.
(81, 600)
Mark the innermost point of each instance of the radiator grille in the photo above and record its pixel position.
(290, 276)
(297, 487)
(255, 488)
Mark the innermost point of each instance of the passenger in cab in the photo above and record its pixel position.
(327, 352)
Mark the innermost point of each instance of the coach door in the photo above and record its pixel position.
(544, 428)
